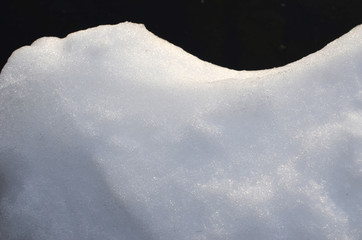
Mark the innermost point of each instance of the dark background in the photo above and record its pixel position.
(239, 34)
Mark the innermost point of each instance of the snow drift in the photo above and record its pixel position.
(113, 133)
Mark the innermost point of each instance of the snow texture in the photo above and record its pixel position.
(114, 133)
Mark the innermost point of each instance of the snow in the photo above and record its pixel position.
(114, 133)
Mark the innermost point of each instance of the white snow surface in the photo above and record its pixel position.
(114, 133)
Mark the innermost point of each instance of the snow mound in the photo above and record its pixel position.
(114, 133)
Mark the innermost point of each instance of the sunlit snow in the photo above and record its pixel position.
(114, 133)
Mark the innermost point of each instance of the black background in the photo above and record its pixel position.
(239, 34)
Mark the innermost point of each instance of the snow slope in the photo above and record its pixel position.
(114, 133)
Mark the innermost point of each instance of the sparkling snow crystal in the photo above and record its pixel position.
(114, 133)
